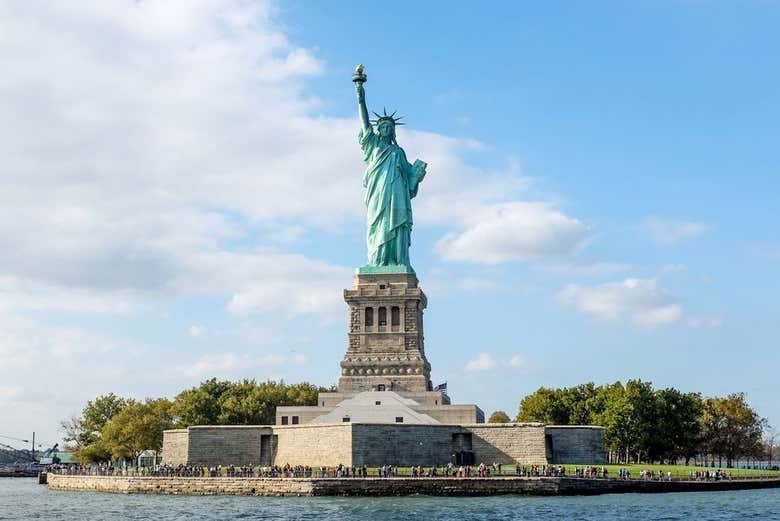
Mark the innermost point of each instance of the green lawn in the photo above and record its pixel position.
(678, 471)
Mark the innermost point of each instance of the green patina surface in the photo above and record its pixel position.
(378, 270)
(390, 182)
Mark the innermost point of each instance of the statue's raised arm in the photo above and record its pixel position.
(359, 78)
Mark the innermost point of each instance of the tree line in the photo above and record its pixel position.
(116, 428)
(643, 424)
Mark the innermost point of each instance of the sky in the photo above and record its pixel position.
(181, 194)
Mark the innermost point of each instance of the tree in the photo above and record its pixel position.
(612, 410)
(200, 405)
(679, 415)
(731, 428)
(499, 417)
(136, 428)
(545, 406)
(85, 431)
(246, 402)
(770, 435)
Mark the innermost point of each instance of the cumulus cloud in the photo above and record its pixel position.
(233, 364)
(161, 150)
(478, 284)
(483, 362)
(641, 299)
(197, 330)
(518, 362)
(705, 321)
(514, 231)
(670, 231)
(487, 363)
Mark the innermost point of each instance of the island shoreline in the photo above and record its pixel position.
(399, 486)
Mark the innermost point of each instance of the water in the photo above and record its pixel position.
(25, 499)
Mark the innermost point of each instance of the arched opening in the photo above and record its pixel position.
(382, 316)
(369, 317)
(395, 316)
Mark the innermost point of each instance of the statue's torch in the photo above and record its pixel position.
(359, 77)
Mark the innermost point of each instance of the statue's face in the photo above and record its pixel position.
(386, 129)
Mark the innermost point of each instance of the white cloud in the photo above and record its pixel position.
(487, 363)
(158, 148)
(518, 362)
(232, 364)
(705, 321)
(483, 362)
(478, 284)
(586, 269)
(514, 231)
(673, 268)
(669, 231)
(641, 299)
(134, 166)
(197, 330)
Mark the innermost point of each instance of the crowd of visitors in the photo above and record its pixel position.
(385, 471)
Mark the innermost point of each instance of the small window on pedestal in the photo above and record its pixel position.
(395, 316)
(369, 317)
(399, 419)
(284, 420)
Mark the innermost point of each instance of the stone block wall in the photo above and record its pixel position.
(508, 443)
(403, 445)
(225, 444)
(379, 444)
(314, 444)
(175, 449)
(577, 444)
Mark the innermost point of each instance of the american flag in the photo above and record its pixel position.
(441, 387)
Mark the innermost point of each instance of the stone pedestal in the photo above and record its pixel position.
(385, 350)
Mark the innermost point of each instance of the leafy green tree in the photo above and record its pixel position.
(612, 410)
(200, 405)
(499, 417)
(643, 419)
(546, 406)
(246, 402)
(85, 431)
(137, 427)
(731, 428)
(679, 421)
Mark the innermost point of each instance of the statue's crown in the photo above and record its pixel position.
(385, 117)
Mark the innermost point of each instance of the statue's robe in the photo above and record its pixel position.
(390, 183)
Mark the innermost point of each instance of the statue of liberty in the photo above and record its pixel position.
(390, 183)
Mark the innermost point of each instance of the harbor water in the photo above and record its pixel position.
(23, 499)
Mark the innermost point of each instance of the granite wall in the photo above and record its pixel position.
(224, 444)
(509, 443)
(314, 444)
(390, 486)
(379, 444)
(576, 444)
(175, 448)
(403, 445)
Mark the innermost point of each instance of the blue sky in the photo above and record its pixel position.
(182, 194)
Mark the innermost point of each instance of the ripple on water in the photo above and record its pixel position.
(23, 499)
